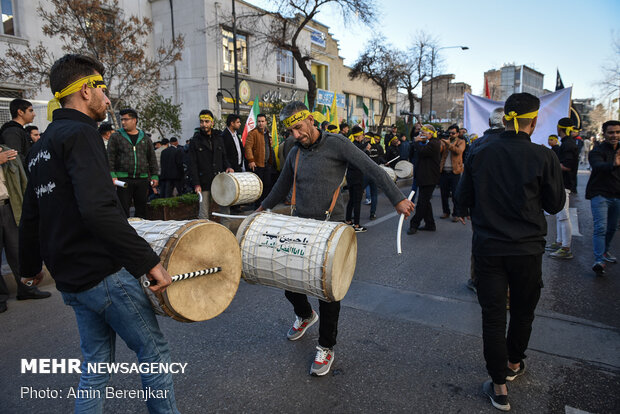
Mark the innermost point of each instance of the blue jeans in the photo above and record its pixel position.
(371, 187)
(605, 214)
(118, 305)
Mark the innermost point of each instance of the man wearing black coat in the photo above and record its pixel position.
(427, 174)
(172, 173)
(232, 143)
(207, 158)
(12, 133)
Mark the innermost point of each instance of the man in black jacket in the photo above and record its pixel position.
(72, 219)
(207, 158)
(507, 184)
(427, 174)
(603, 191)
(12, 133)
(171, 170)
(232, 143)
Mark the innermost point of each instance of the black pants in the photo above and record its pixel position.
(9, 243)
(137, 190)
(424, 209)
(166, 187)
(354, 205)
(495, 274)
(328, 316)
(447, 186)
(264, 173)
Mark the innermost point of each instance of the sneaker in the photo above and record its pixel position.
(553, 247)
(444, 216)
(367, 201)
(360, 229)
(499, 401)
(608, 257)
(514, 374)
(562, 253)
(471, 286)
(599, 268)
(300, 326)
(322, 361)
(373, 216)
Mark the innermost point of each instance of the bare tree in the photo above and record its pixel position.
(417, 65)
(595, 119)
(611, 76)
(97, 28)
(383, 65)
(285, 25)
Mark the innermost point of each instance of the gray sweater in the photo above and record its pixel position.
(320, 171)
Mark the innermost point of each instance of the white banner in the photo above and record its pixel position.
(553, 106)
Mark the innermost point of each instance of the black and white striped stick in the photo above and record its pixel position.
(183, 276)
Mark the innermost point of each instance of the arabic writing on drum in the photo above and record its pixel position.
(294, 246)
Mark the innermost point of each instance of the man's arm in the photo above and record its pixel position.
(285, 181)
(465, 195)
(552, 190)
(151, 159)
(598, 163)
(457, 147)
(15, 139)
(30, 261)
(112, 150)
(193, 164)
(248, 149)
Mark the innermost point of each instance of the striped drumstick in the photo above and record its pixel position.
(183, 276)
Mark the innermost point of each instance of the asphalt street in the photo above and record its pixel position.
(409, 338)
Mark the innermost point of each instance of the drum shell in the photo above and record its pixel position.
(187, 246)
(230, 189)
(389, 171)
(326, 270)
(403, 169)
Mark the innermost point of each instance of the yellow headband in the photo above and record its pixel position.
(92, 81)
(353, 136)
(553, 138)
(206, 117)
(392, 140)
(512, 116)
(568, 129)
(374, 140)
(425, 129)
(295, 118)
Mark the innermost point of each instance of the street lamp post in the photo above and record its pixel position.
(234, 24)
(433, 55)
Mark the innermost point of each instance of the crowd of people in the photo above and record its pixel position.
(501, 181)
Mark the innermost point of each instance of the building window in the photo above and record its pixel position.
(8, 27)
(242, 52)
(359, 101)
(286, 67)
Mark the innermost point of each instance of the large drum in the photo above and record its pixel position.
(403, 169)
(189, 246)
(390, 172)
(229, 189)
(301, 255)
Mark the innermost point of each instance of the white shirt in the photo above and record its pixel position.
(239, 155)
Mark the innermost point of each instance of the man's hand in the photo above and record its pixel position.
(564, 168)
(616, 158)
(259, 209)
(33, 281)
(252, 165)
(114, 180)
(405, 207)
(6, 156)
(154, 183)
(197, 189)
(162, 277)
(461, 220)
(230, 170)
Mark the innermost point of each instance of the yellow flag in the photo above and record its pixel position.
(274, 140)
(334, 114)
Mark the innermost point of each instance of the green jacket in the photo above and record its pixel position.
(16, 181)
(129, 161)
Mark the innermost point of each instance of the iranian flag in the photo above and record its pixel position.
(365, 117)
(250, 123)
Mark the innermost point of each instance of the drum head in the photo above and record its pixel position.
(201, 245)
(224, 189)
(342, 262)
(403, 169)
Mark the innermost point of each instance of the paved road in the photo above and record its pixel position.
(409, 339)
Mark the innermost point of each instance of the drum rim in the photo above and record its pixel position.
(238, 186)
(336, 235)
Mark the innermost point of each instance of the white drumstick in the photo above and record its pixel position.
(228, 215)
(183, 276)
(120, 183)
(393, 159)
(400, 226)
(200, 197)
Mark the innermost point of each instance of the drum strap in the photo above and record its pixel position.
(328, 213)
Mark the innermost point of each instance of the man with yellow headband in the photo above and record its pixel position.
(507, 185)
(320, 160)
(73, 221)
(376, 153)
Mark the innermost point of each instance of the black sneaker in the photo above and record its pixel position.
(499, 401)
(599, 268)
(359, 229)
(373, 216)
(514, 374)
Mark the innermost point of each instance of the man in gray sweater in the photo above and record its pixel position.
(323, 160)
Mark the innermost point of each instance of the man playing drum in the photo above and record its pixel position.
(90, 249)
(317, 163)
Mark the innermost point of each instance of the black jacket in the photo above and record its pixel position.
(355, 176)
(507, 183)
(172, 164)
(605, 177)
(207, 158)
(429, 158)
(71, 217)
(569, 157)
(391, 153)
(13, 135)
(376, 153)
(231, 150)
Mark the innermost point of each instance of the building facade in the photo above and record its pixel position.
(514, 79)
(447, 98)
